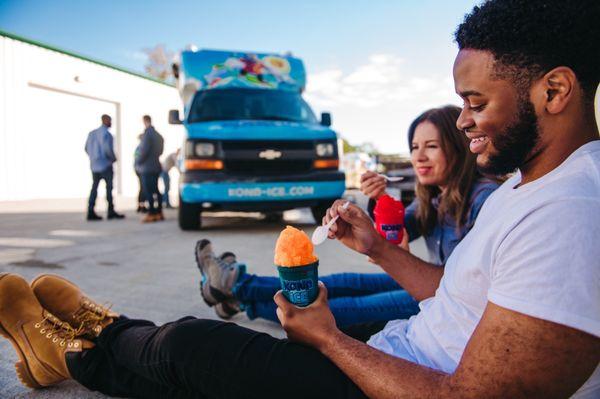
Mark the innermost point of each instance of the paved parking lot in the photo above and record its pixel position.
(146, 271)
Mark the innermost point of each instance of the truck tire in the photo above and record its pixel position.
(189, 216)
(318, 211)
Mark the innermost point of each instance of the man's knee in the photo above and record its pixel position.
(180, 338)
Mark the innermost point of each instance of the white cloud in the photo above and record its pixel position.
(377, 101)
(136, 55)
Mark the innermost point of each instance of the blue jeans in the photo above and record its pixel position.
(107, 176)
(354, 298)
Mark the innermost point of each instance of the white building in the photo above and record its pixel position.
(50, 99)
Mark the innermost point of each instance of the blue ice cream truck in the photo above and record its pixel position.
(252, 143)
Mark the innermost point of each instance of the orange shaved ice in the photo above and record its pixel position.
(294, 248)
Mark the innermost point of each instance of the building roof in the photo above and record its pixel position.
(82, 57)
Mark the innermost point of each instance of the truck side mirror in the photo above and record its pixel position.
(326, 119)
(174, 117)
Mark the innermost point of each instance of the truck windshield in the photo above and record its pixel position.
(253, 104)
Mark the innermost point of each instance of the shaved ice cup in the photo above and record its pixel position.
(300, 283)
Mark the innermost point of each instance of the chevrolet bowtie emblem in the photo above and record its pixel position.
(269, 154)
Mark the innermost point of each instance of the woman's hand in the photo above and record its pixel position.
(372, 185)
(354, 228)
(404, 244)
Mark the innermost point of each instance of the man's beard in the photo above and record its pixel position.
(515, 143)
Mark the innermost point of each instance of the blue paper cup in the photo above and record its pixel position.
(300, 284)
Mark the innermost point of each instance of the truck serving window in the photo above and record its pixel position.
(249, 104)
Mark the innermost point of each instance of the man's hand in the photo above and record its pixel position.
(354, 228)
(372, 185)
(313, 325)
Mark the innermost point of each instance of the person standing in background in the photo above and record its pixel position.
(99, 147)
(167, 164)
(141, 208)
(148, 165)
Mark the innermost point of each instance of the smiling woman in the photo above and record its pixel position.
(445, 168)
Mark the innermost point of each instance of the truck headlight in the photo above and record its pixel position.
(325, 150)
(204, 149)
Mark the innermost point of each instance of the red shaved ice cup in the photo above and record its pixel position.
(299, 284)
(389, 218)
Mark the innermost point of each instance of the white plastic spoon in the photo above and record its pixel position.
(393, 179)
(320, 234)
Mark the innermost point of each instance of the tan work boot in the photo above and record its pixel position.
(65, 300)
(151, 218)
(40, 339)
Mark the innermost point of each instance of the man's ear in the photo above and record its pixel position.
(560, 87)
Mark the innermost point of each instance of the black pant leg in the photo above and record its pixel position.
(141, 194)
(97, 371)
(219, 360)
(362, 332)
(108, 180)
(148, 191)
(96, 177)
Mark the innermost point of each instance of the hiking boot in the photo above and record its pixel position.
(65, 300)
(114, 215)
(228, 257)
(160, 216)
(228, 308)
(93, 216)
(218, 276)
(40, 339)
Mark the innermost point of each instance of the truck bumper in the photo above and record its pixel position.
(221, 191)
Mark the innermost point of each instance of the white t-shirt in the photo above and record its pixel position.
(534, 249)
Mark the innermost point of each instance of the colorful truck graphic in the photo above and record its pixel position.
(252, 142)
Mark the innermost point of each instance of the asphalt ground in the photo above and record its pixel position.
(144, 271)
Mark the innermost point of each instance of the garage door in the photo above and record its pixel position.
(53, 141)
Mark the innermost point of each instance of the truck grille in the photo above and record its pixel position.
(242, 157)
(268, 167)
(266, 144)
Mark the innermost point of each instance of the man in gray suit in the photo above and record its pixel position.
(149, 167)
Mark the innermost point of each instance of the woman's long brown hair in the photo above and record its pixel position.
(461, 171)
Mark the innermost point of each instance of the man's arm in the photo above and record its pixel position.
(421, 279)
(108, 147)
(510, 355)
(87, 143)
(144, 148)
(355, 230)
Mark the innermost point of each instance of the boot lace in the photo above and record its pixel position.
(91, 315)
(60, 332)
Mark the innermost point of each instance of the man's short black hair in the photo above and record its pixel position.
(530, 37)
(147, 118)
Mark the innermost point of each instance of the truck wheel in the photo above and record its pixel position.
(189, 216)
(318, 212)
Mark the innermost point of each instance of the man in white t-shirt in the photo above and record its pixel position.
(515, 313)
(517, 310)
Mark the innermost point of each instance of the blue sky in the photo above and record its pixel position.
(374, 64)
